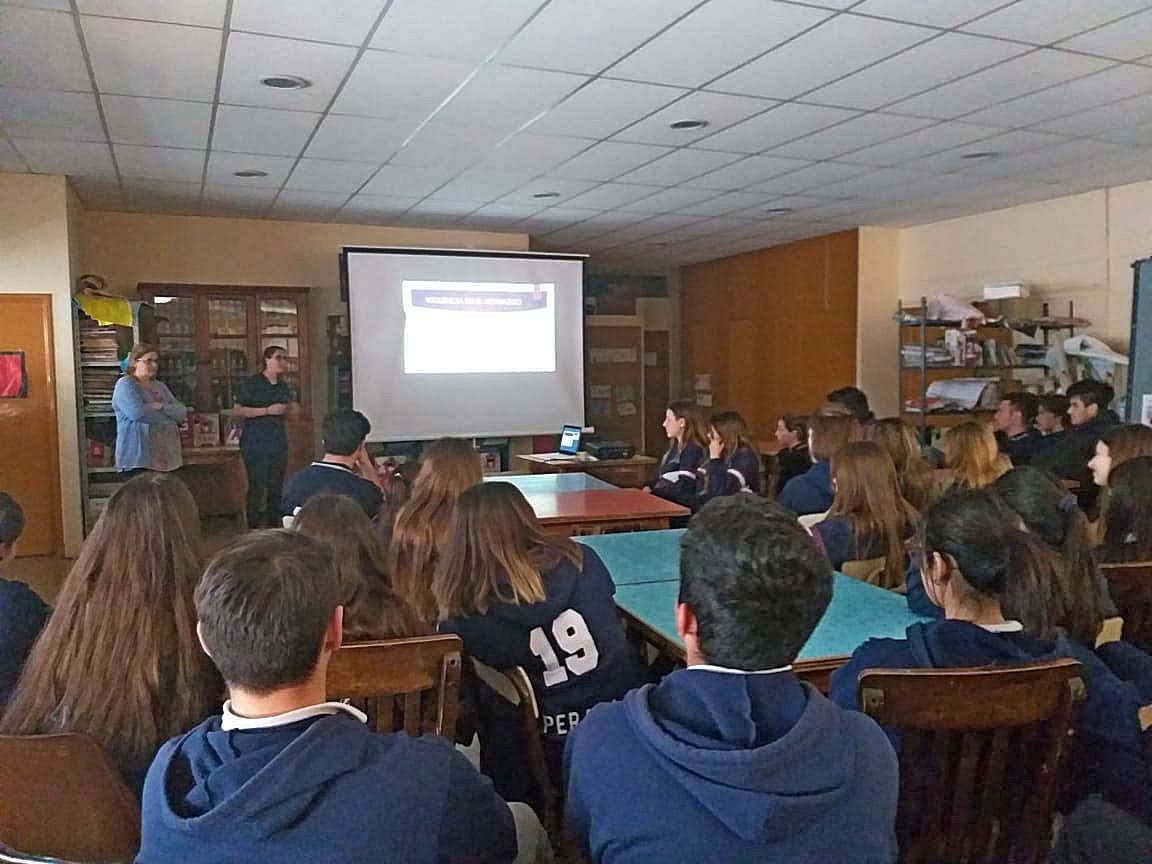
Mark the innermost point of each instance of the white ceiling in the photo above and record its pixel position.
(456, 113)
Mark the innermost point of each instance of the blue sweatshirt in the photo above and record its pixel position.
(1117, 754)
(146, 437)
(811, 492)
(719, 766)
(676, 479)
(22, 617)
(741, 473)
(325, 789)
(841, 543)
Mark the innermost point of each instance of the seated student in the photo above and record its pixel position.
(970, 451)
(812, 491)
(856, 401)
(1016, 436)
(447, 468)
(1052, 418)
(22, 612)
(734, 759)
(792, 459)
(868, 517)
(345, 468)
(1091, 418)
(119, 661)
(1097, 832)
(1116, 446)
(1127, 513)
(733, 462)
(987, 574)
(372, 610)
(282, 774)
(520, 597)
(917, 482)
(687, 438)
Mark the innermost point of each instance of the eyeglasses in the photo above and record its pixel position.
(278, 357)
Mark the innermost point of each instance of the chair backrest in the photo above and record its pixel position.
(806, 522)
(411, 684)
(1131, 588)
(61, 796)
(983, 755)
(870, 570)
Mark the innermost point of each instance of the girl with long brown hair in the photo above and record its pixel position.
(687, 440)
(372, 609)
(830, 429)
(448, 467)
(1127, 513)
(869, 518)
(119, 660)
(1117, 446)
(733, 460)
(917, 483)
(970, 450)
(520, 597)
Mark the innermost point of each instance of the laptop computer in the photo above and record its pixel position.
(569, 445)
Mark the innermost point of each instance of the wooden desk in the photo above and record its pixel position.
(599, 510)
(541, 483)
(632, 472)
(217, 480)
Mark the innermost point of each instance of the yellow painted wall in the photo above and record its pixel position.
(878, 292)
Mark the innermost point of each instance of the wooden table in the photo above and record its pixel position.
(539, 483)
(217, 480)
(634, 472)
(598, 510)
(645, 568)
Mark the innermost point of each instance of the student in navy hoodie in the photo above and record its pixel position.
(344, 469)
(22, 612)
(734, 759)
(977, 564)
(733, 460)
(831, 428)
(687, 438)
(520, 597)
(284, 776)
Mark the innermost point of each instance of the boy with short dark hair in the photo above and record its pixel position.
(286, 776)
(22, 612)
(856, 401)
(345, 469)
(1091, 417)
(1013, 421)
(734, 759)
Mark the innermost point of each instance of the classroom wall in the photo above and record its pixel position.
(878, 293)
(775, 329)
(38, 242)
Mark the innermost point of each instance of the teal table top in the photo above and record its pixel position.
(639, 556)
(529, 484)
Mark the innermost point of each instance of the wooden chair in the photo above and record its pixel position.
(982, 758)
(870, 571)
(61, 796)
(1131, 588)
(411, 684)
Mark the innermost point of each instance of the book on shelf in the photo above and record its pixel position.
(205, 430)
(954, 394)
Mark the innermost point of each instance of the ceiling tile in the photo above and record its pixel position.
(719, 110)
(204, 13)
(712, 40)
(608, 159)
(221, 168)
(810, 177)
(679, 166)
(569, 36)
(516, 212)
(844, 44)
(1045, 21)
(1060, 163)
(753, 169)
(65, 157)
(670, 200)
(97, 193)
(926, 65)
(446, 148)
(251, 58)
(50, 114)
(852, 135)
(1104, 119)
(416, 86)
(457, 209)
(405, 182)
(565, 189)
(322, 175)
(162, 196)
(1113, 84)
(40, 49)
(603, 107)
(505, 98)
(790, 120)
(349, 24)
(159, 163)
(362, 204)
(263, 130)
(54, 5)
(306, 203)
(533, 154)
(1004, 144)
(141, 58)
(922, 142)
(10, 160)
(1010, 79)
(729, 202)
(479, 186)
(1127, 39)
(1139, 135)
(157, 122)
(949, 14)
(362, 139)
(464, 29)
(234, 198)
(878, 179)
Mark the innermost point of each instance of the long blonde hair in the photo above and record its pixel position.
(495, 553)
(449, 466)
(971, 451)
(899, 441)
(372, 609)
(119, 660)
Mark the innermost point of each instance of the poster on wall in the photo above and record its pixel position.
(13, 375)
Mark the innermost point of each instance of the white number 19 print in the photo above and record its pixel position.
(572, 637)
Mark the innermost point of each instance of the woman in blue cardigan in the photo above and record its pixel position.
(148, 417)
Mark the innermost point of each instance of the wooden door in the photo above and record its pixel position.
(29, 440)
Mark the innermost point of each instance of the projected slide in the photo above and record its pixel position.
(467, 327)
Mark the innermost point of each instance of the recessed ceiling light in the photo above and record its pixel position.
(981, 154)
(250, 172)
(680, 125)
(777, 211)
(286, 82)
(546, 195)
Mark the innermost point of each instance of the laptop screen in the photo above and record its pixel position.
(570, 439)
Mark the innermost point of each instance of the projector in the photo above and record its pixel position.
(610, 449)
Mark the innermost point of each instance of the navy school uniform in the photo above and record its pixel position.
(330, 478)
(792, 462)
(676, 479)
(739, 474)
(841, 543)
(1116, 752)
(22, 617)
(575, 653)
(1020, 448)
(811, 492)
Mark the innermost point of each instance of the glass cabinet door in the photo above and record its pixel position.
(279, 322)
(175, 319)
(227, 350)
